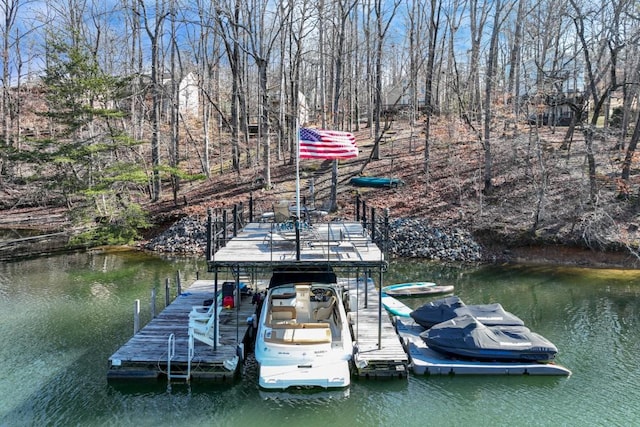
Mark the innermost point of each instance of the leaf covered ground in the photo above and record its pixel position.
(539, 207)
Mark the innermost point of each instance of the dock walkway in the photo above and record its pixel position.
(380, 352)
(146, 354)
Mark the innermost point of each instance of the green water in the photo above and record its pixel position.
(62, 317)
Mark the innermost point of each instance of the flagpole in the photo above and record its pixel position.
(297, 168)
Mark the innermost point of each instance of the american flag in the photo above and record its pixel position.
(327, 144)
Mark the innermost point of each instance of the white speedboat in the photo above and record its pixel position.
(303, 337)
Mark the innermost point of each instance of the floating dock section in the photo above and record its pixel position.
(425, 361)
(161, 348)
(379, 353)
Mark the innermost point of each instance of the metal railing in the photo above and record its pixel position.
(171, 352)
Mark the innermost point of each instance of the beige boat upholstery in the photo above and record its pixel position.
(301, 333)
(282, 313)
(324, 312)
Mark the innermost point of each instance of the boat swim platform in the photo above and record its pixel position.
(425, 361)
(145, 355)
(380, 353)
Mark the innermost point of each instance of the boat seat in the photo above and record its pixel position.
(279, 313)
(301, 333)
(324, 312)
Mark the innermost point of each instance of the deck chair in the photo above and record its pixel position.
(323, 313)
(281, 212)
(201, 324)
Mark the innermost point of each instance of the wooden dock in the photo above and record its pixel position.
(257, 250)
(146, 354)
(380, 352)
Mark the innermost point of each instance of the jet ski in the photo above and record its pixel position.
(464, 336)
(444, 309)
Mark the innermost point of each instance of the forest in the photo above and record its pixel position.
(111, 108)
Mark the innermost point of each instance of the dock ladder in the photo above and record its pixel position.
(171, 352)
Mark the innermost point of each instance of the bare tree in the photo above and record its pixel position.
(513, 85)
(228, 19)
(344, 8)
(434, 25)
(478, 15)
(176, 76)
(153, 24)
(263, 29)
(610, 44)
(498, 18)
(8, 103)
(415, 16)
(382, 26)
(453, 83)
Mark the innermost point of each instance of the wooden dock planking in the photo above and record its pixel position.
(145, 354)
(373, 361)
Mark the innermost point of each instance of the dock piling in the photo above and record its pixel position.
(152, 304)
(136, 316)
(178, 283)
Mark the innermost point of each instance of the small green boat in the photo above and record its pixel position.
(375, 181)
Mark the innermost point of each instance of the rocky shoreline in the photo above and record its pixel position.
(408, 238)
(187, 236)
(417, 238)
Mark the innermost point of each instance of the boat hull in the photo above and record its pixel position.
(335, 374)
(376, 182)
(303, 338)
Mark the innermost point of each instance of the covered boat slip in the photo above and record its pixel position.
(427, 361)
(343, 247)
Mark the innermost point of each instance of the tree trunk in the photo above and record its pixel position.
(633, 144)
(433, 37)
(513, 88)
(344, 10)
(264, 122)
(486, 140)
(156, 82)
(176, 78)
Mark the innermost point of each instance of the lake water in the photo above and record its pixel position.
(61, 318)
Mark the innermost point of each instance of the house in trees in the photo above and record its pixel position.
(557, 109)
(188, 95)
(551, 97)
